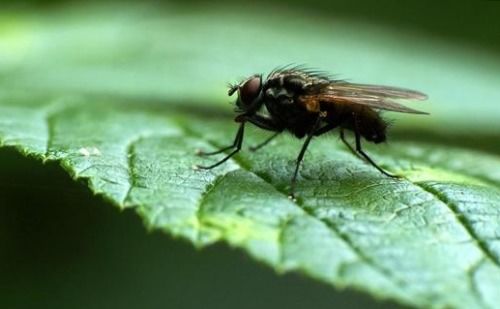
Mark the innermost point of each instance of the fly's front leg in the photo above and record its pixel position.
(238, 141)
(234, 144)
(263, 123)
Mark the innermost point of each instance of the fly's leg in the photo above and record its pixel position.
(297, 165)
(360, 150)
(234, 144)
(301, 157)
(264, 143)
(237, 143)
(325, 129)
(265, 123)
(342, 137)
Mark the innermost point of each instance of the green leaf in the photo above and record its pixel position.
(123, 101)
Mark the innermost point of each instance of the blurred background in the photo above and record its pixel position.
(71, 250)
(187, 51)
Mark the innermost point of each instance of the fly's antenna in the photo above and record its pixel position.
(232, 89)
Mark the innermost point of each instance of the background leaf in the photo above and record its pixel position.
(122, 98)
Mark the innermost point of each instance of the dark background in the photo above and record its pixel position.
(473, 23)
(62, 247)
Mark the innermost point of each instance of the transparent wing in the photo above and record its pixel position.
(348, 89)
(374, 96)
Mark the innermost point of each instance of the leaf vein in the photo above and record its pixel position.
(201, 203)
(363, 257)
(462, 219)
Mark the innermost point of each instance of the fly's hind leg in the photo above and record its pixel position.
(360, 150)
(342, 137)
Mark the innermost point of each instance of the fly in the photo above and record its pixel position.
(308, 104)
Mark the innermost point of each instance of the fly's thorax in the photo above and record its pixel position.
(284, 87)
(294, 80)
(280, 95)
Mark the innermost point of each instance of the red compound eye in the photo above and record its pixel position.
(250, 90)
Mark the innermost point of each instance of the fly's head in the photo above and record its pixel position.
(249, 94)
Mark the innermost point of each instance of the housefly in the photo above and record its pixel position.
(309, 103)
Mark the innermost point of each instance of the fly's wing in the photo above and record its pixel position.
(374, 96)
